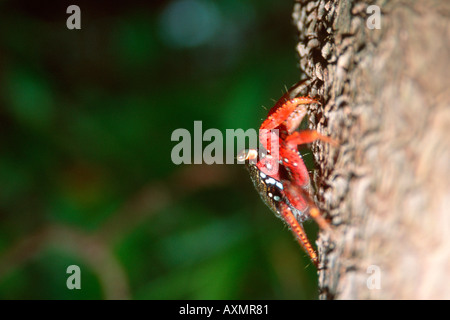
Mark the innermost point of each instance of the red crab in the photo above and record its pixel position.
(279, 173)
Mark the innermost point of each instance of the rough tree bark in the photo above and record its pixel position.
(385, 97)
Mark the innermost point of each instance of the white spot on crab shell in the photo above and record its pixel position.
(279, 185)
(276, 198)
(270, 181)
(270, 194)
(263, 175)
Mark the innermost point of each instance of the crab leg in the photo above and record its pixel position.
(299, 233)
(284, 111)
(291, 159)
(306, 136)
(301, 200)
(281, 117)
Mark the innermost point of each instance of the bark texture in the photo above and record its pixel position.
(386, 189)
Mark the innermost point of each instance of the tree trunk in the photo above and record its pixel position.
(386, 188)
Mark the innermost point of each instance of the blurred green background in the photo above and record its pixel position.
(86, 176)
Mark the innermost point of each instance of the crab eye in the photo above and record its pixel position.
(242, 155)
(247, 154)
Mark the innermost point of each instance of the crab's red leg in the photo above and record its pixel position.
(320, 220)
(301, 200)
(292, 160)
(283, 111)
(279, 114)
(296, 190)
(306, 136)
(298, 231)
